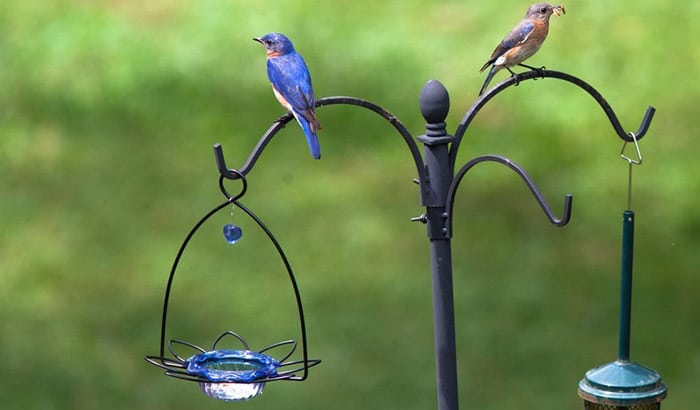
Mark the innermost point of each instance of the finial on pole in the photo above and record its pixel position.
(434, 102)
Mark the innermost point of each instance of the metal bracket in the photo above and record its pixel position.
(568, 199)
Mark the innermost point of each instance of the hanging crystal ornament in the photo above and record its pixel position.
(232, 233)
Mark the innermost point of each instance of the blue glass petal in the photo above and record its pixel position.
(232, 233)
(243, 366)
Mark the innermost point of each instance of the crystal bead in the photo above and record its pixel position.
(232, 233)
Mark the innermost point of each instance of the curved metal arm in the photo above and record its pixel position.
(568, 199)
(226, 172)
(536, 74)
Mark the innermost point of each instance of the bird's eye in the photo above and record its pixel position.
(543, 10)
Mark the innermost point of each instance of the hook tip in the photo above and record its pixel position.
(566, 217)
(224, 170)
(644, 126)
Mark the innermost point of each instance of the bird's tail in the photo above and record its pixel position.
(489, 76)
(310, 133)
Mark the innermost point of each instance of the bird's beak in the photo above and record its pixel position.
(559, 10)
(258, 39)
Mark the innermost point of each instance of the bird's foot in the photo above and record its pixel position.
(283, 118)
(540, 70)
(514, 76)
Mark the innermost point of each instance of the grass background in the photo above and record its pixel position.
(108, 111)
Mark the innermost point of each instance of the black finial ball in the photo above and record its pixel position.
(434, 102)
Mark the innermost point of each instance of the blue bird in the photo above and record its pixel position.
(523, 41)
(291, 83)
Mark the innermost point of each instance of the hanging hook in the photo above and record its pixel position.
(225, 171)
(276, 126)
(632, 162)
(568, 199)
(638, 161)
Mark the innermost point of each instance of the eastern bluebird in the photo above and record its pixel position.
(291, 84)
(524, 41)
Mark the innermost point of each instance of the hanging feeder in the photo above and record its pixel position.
(624, 384)
(233, 374)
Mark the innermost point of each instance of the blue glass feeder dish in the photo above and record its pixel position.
(232, 366)
(232, 374)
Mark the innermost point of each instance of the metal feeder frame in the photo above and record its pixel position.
(243, 363)
(438, 185)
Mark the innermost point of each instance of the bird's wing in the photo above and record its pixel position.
(519, 35)
(290, 77)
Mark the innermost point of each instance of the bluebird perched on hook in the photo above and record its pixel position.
(291, 84)
(523, 42)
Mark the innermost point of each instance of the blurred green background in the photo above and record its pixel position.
(109, 109)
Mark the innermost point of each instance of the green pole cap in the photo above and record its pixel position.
(622, 383)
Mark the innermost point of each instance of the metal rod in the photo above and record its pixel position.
(435, 105)
(629, 186)
(626, 285)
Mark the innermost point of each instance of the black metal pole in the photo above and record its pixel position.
(444, 326)
(435, 104)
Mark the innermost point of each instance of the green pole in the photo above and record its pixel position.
(626, 285)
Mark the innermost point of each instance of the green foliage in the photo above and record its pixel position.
(108, 112)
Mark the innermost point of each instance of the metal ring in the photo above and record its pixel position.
(244, 188)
